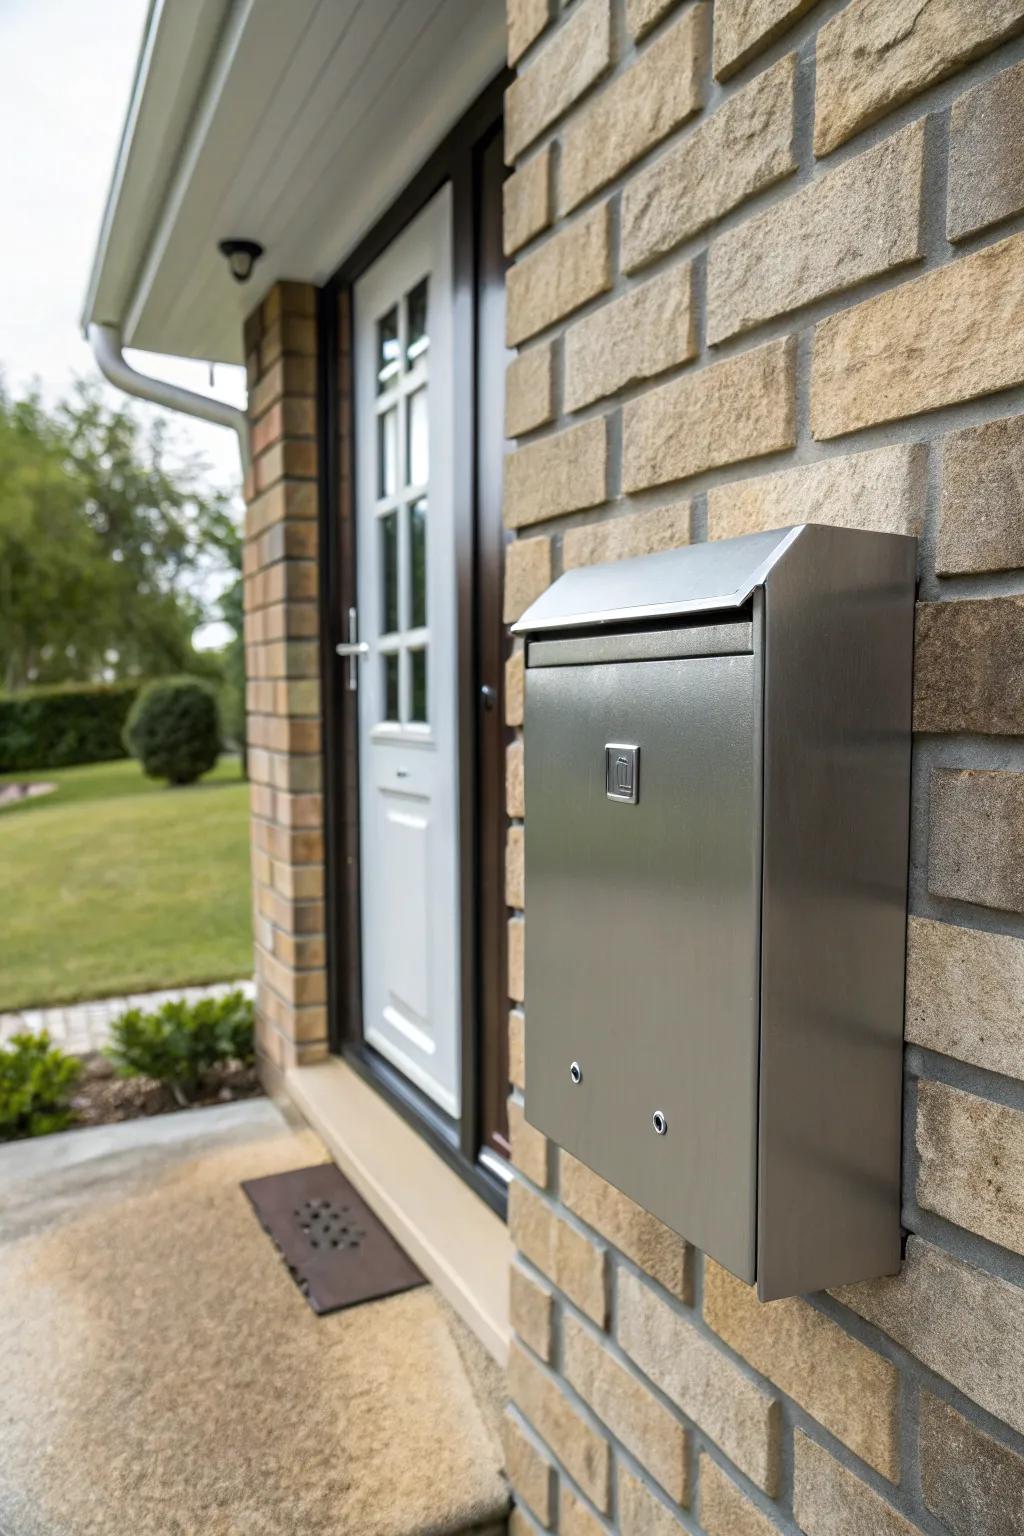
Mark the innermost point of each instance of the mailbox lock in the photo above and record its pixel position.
(659, 1122)
(576, 1072)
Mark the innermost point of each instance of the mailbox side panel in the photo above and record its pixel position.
(838, 647)
(642, 934)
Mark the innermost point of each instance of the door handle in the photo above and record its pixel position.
(353, 648)
(488, 696)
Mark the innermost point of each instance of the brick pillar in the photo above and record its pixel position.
(283, 687)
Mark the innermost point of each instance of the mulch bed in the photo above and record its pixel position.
(103, 1098)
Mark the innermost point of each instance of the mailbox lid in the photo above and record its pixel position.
(642, 946)
(699, 578)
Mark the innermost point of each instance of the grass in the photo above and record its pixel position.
(115, 883)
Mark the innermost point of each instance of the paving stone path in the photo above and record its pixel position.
(84, 1027)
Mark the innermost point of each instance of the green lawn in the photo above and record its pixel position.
(116, 884)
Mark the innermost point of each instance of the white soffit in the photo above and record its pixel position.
(295, 124)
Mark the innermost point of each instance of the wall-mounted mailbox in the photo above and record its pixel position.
(717, 796)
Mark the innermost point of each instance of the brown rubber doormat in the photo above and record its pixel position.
(338, 1252)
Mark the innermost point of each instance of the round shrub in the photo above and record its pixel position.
(174, 730)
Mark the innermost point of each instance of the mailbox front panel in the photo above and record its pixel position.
(643, 784)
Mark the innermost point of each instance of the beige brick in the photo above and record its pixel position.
(516, 1050)
(526, 199)
(519, 1524)
(847, 1387)
(851, 224)
(976, 837)
(652, 1246)
(525, 20)
(515, 884)
(636, 111)
(516, 984)
(724, 1510)
(640, 1512)
(971, 1482)
(527, 574)
(948, 336)
(732, 1410)
(529, 1146)
(515, 799)
(971, 1163)
(744, 27)
(530, 390)
(828, 1500)
(650, 329)
(966, 1325)
(745, 146)
(568, 64)
(642, 15)
(969, 666)
(878, 53)
(578, 1446)
(529, 1470)
(560, 275)
(624, 537)
(964, 990)
(986, 171)
(515, 676)
(574, 1517)
(562, 473)
(734, 410)
(573, 1262)
(883, 490)
(625, 1406)
(531, 1311)
(980, 527)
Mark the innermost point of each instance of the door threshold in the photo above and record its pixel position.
(460, 1244)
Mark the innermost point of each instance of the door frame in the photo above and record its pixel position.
(458, 160)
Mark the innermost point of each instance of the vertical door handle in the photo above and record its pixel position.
(353, 648)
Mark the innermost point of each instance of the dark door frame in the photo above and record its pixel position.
(463, 160)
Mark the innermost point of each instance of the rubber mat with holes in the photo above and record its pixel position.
(338, 1253)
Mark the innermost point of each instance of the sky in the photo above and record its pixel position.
(66, 69)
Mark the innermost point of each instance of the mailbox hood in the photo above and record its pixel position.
(678, 581)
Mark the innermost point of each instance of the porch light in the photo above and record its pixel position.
(242, 256)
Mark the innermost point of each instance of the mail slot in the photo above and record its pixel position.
(717, 796)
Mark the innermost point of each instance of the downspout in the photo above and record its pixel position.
(105, 341)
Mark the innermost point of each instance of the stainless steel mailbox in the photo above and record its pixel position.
(717, 793)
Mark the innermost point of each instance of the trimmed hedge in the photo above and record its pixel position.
(58, 727)
(174, 729)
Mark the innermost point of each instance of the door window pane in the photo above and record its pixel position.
(387, 452)
(389, 573)
(419, 686)
(418, 446)
(391, 687)
(416, 324)
(389, 351)
(418, 555)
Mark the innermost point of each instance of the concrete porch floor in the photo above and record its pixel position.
(161, 1372)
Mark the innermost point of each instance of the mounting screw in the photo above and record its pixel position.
(576, 1072)
(659, 1122)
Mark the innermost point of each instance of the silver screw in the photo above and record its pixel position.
(576, 1072)
(659, 1122)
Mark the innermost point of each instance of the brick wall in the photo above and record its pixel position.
(768, 267)
(283, 689)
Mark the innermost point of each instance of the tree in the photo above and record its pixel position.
(108, 543)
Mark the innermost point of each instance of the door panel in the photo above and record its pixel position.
(406, 600)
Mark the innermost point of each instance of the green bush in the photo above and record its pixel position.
(180, 1042)
(36, 1081)
(58, 727)
(174, 729)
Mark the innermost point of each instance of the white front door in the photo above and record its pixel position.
(406, 591)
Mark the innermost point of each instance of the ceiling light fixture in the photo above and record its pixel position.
(242, 256)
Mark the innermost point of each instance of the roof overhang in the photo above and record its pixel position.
(294, 125)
